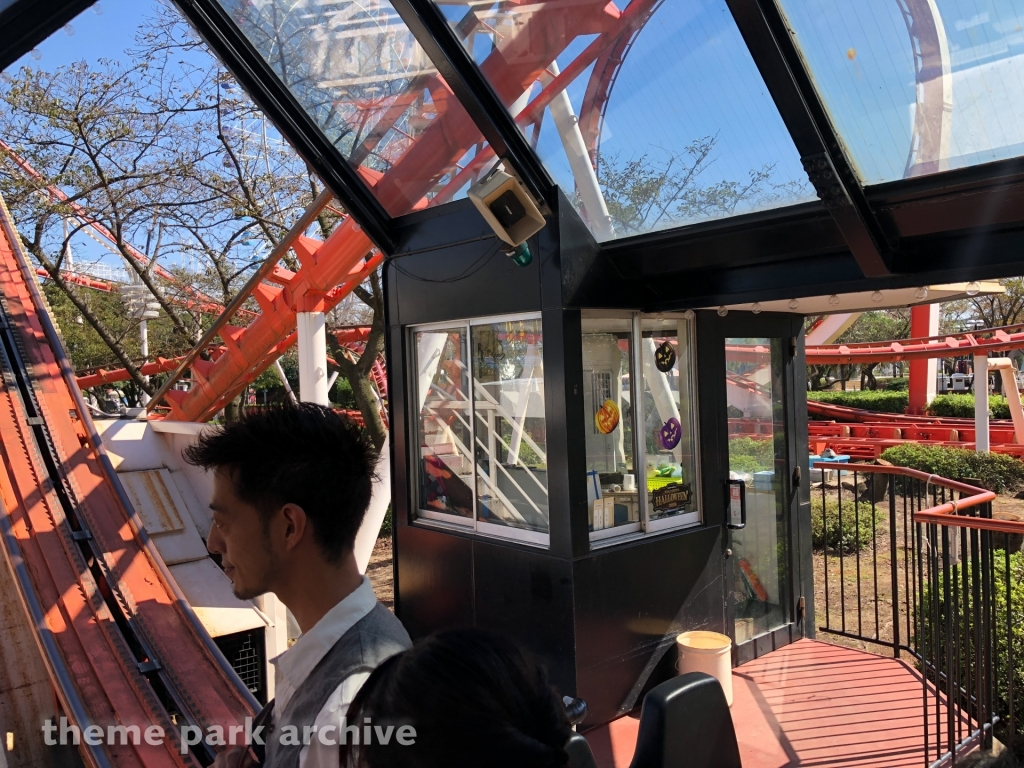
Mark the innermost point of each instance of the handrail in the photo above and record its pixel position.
(282, 247)
(941, 514)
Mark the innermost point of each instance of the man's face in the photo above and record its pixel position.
(239, 536)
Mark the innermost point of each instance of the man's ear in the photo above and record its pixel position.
(296, 524)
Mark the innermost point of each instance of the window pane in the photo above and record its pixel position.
(511, 437)
(676, 120)
(611, 472)
(367, 84)
(669, 418)
(757, 446)
(444, 468)
(917, 87)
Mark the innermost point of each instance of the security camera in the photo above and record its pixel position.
(509, 210)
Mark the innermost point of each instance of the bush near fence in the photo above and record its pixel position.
(1008, 630)
(997, 472)
(860, 522)
(868, 399)
(962, 406)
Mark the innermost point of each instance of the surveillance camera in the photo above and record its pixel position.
(508, 209)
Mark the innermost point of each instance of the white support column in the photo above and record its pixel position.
(587, 184)
(144, 342)
(312, 342)
(981, 443)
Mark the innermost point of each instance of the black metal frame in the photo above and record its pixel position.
(712, 334)
(765, 32)
(433, 32)
(26, 24)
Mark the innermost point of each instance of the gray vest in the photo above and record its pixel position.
(372, 639)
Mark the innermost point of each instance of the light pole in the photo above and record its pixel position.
(141, 306)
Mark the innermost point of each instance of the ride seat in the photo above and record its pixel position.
(686, 722)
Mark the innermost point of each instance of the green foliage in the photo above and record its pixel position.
(749, 455)
(962, 406)
(342, 396)
(649, 192)
(849, 532)
(997, 472)
(386, 527)
(872, 400)
(897, 385)
(1008, 627)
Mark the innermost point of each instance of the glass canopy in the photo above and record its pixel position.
(916, 87)
(358, 72)
(666, 126)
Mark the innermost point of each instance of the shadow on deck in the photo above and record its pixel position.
(810, 704)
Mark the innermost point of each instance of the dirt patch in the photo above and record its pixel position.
(381, 572)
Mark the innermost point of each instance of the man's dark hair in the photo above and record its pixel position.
(302, 454)
(475, 699)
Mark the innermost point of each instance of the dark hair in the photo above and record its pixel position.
(474, 698)
(302, 454)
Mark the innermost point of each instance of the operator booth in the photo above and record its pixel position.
(561, 457)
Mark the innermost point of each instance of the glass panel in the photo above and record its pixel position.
(669, 409)
(511, 436)
(358, 72)
(757, 449)
(676, 119)
(611, 473)
(444, 469)
(917, 86)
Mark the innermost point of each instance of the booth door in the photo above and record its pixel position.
(758, 423)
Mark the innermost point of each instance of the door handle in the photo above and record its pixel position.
(736, 504)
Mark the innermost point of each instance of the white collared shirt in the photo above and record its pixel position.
(293, 666)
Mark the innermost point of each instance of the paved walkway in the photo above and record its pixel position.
(810, 704)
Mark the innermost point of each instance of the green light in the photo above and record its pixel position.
(521, 255)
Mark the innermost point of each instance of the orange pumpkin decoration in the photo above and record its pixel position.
(607, 417)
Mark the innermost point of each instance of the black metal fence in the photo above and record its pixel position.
(917, 564)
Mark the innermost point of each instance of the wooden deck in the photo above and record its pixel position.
(810, 704)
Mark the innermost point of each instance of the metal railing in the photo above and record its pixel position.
(917, 563)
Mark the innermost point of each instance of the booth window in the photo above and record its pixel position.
(639, 479)
(613, 500)
(482, 438)
(442, 390)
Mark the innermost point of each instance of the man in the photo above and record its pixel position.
(291, 485)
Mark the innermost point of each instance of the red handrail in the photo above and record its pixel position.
(942, 514)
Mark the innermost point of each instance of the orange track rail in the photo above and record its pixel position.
(330, 269)
(76, 587)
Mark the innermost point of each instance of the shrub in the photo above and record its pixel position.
(870, 400)
(962, 406)
(897, 385)
(747, 454)
(386, 525)
(860, 521)
(997, 472)
(1005, 639)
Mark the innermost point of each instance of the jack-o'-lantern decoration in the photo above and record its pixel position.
(671, 433)
(664, 357)
(607, 417)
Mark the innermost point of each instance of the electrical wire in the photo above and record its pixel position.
(468, 272)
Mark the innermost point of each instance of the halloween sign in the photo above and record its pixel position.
(664, 357)
(672, 497)
(607, 417)
(670, 434)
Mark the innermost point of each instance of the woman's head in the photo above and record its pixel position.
(474, 699)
